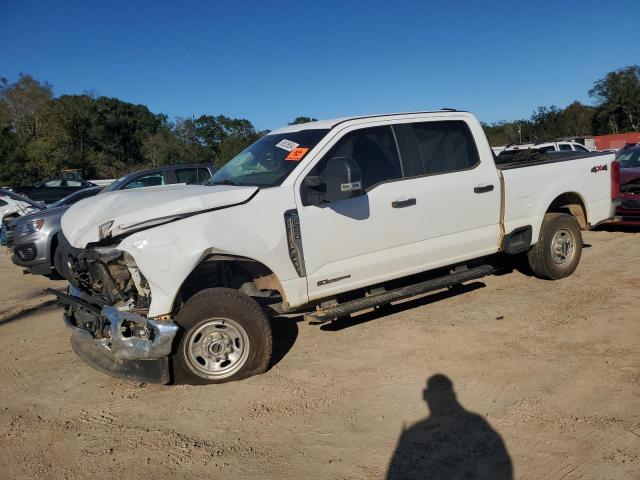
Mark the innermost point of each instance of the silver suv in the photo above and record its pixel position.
(33, 238)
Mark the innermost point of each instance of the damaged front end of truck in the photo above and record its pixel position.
(106, 309)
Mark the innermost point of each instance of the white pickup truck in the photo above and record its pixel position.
(325, 218)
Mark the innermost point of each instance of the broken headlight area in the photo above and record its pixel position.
(109, 277)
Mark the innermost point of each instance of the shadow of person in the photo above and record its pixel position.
(451, 443)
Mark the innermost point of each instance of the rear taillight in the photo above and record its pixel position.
(615, 180)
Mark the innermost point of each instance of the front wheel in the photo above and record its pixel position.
(559, 248)
(224, 336)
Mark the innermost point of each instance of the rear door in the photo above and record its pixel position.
(454, 196)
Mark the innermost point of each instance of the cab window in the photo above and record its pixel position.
(373, 149)
(445, 146)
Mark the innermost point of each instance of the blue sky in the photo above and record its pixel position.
(270, 61)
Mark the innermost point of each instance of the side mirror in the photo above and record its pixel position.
(343, 179)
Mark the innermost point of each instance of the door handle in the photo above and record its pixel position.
(403, 203)
(483, 189)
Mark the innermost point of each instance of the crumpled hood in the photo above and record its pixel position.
(131, 210)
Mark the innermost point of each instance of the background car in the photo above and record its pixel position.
(166, 175)
(34, 238)
(628, 210)
(50, 191)
(561, 147)
(13, 206)
(546, 147)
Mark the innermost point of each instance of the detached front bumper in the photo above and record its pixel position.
(144, 371)
(119, 343)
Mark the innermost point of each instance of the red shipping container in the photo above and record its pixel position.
(615, 141)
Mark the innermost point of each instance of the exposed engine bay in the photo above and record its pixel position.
(108, 277)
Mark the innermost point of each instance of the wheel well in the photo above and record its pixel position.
(572, 204)
(240, 273)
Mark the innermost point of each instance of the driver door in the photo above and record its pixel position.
(346, 242)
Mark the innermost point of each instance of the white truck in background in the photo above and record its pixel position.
(328, 218)
(546, 147)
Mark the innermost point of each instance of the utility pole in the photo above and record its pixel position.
(520, 132)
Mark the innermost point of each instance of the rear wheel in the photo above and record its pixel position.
(559, 248)
(224, 336)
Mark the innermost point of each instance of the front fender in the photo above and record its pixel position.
(167, 254)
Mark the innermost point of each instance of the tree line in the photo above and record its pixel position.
(41, 134)
(105, 137)
(616, 109)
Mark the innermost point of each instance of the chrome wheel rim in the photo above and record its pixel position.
(563, 247)
(216, 348)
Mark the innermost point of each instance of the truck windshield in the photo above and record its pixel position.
(267, 162)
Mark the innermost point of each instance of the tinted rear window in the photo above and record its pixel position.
(445, 146)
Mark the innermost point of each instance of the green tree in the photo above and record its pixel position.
(547, 123)
(577, 120)
(74, 135)
(120, 129)
(165, 147)
(26, 104)
(618, 94)
(298, 120)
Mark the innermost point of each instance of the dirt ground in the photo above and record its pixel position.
(551, 370)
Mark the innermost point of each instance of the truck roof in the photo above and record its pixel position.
(328, 124)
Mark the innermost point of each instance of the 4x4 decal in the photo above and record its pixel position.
(599, 168)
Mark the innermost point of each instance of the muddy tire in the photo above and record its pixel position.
(224, 336)
(559, 248)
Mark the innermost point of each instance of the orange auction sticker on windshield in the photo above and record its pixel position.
(296, 154)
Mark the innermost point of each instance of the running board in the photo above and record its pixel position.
(343, 309)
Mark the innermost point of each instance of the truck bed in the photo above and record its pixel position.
(527, 158)
(533, 183)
